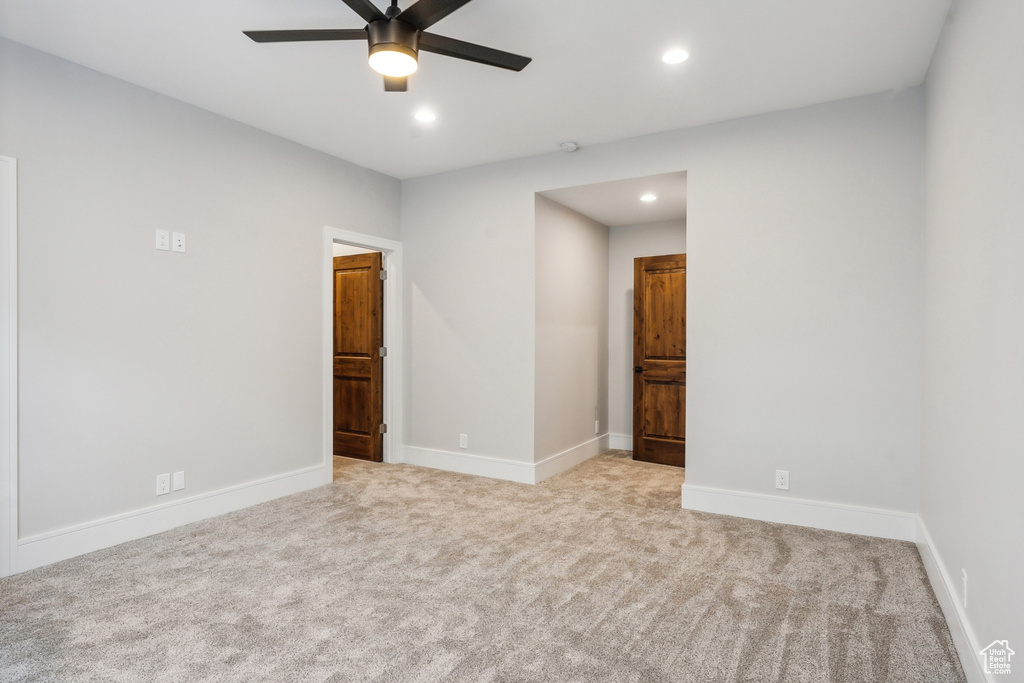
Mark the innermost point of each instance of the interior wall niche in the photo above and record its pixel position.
(586, 239)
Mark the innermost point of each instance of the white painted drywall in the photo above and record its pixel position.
(8, 360)
(134, 361)
(470, 316)
(627, 243)
(340, 249)
(803, 240)
(972, 468)
(572, 329)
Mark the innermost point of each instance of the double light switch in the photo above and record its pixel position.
(167, 241)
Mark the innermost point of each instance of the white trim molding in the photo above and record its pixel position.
(569, 458)
(54, 546)
(850, 519)
(620, 442)
(9, 449)
(960, 630)
(392, 261)
(467, 463)
(502, 468)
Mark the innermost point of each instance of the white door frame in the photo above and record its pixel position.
(392, 263)
(9, 329)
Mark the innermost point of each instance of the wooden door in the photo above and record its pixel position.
(358, 368)
(659, 359)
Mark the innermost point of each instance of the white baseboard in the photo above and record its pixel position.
(621, 442)
(54, 546)
(945, 592)
(500, 468)
(849, 519)
(556, 464)
(466, 463)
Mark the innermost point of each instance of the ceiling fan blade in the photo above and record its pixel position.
(307, 34)
(426, 13)
(396, 84)
(366, 9)
(449, 47)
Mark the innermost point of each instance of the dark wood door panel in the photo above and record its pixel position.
(664, 370)
(352, 410)
(353, 446)
(353, 321)
(663, 452)
(352, 367)
(664, 410)
(664, 309)
(358, 366)
(659, 359)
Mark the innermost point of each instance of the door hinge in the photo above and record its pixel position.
(383, 351)
(383, 429)
(383, 274)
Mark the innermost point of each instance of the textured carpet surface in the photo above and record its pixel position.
(398, 573)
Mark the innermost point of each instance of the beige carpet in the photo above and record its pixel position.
(396, 573)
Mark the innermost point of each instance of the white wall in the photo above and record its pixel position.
(803, 238)
(340, 249)
(628, 242)
(972, 469)
(572, 329)
(469, 325)
(8, 359)
(136, 362)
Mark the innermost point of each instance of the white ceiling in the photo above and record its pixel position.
(596, 74)
(617, 203)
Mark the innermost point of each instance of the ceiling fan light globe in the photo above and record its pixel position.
(392, 60)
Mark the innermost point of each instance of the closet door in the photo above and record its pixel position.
(659, 359)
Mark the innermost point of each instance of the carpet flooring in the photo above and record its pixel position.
(398, 573)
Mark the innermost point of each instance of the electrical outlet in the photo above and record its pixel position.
(597, 426)
(179, 481)
(964, 572)
(178, 242)
(463, 441)
(163, 484)
(782, 479)
(163, 240)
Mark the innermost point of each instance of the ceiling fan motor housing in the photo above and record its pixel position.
(394, 38)
(393, 35)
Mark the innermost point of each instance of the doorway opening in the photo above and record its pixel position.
(571, 225)
(359, 354)
(357, 421)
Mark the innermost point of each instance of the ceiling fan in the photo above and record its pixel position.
(396, 36)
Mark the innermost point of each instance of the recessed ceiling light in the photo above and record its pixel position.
(425, 116)
(675, 56)
(648, 197)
